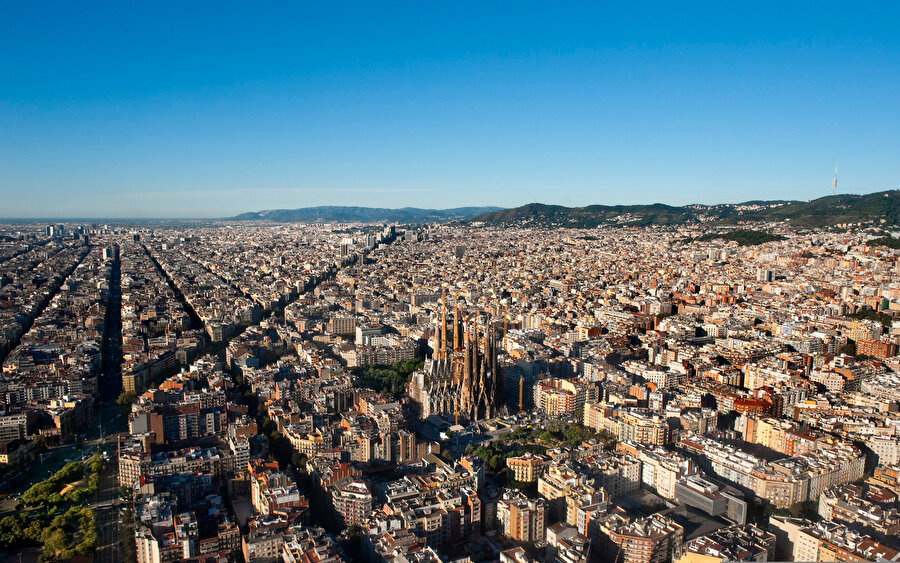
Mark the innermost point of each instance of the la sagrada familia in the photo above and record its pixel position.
(463, 380)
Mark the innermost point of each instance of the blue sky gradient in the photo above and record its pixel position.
(209, 109)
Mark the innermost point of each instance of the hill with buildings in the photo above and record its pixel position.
(825, 211)
(345, 214)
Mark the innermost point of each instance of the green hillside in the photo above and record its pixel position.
(822, 212)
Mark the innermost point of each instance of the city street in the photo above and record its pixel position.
(107, 515)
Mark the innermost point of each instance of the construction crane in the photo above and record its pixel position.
(521, 389)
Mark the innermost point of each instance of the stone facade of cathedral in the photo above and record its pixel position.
(464, 381)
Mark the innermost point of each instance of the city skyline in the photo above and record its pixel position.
(449, 282)
(109, 111)
(444, 391)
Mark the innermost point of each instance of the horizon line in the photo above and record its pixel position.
(497, 207)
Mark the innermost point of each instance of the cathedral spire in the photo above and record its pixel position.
(456, 321)
(443, 353)
(475, 366)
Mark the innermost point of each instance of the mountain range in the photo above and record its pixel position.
(821, 212)
(342, 214)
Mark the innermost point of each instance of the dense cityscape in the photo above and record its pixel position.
(449, 282)
(226, 391)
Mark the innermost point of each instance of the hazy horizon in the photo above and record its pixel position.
(209, 110)
(225, 218)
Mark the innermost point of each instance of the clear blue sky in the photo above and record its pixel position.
(206, 109)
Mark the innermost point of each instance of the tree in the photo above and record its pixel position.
(805, 509)
(12, 531)
(516, 434)
(40, 443)
(849, 348)
(573, 434)
(530, 489)
(390, 380)
(95, 464)
(299, 460)
(56, 544)
(126, 398)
